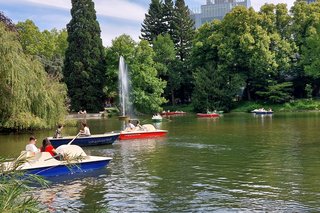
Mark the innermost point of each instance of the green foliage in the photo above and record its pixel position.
(153, 24)
(30, 98)
(292, 106)
(278, 93)
(15, 190)
(168, 16)
(167, 65)
(308, 90)
(147, 88)
(183, 30)
(48, 46)
(124, 46)
(214, 89)
(85, 64)
(311, 53)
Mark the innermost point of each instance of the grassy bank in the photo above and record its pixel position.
(293, 106)
(247, 106)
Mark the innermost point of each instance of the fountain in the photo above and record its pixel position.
(124, 91)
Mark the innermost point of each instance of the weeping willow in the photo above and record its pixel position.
(29, 97)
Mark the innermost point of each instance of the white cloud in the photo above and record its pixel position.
(122, 9)
(110, 32)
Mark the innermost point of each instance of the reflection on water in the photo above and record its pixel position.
(235, 163)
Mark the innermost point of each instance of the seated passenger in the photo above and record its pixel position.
(130, 126)
(85, 131)
(31, 146)
(47, 147)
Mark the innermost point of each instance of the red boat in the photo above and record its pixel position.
(208, 115)
(147, 131)
(173, 113)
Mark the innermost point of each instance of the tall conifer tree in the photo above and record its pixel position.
(183, 29)
(183, 34)
(85, 65)
(168, 14)
(153, 23)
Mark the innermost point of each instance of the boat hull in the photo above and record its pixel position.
(173, 113)
(156, 120)
(141, 134)
(263, 113)
(59, 170)
(93, 140)
(211, 115)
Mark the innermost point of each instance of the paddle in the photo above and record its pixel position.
(74, 138)
(67, 144)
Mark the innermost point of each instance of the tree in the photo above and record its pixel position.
(183, 30)
(182, 36)
(168, 17)
(48, 46)
(215, 84)
(29, 97)
(85, 64)
(166, 64)
(124, 46)
(31, 38)
(147, 87)
(153, 23)
(277, 92)
(305, 27)
(310, 57)
(9, 25)
(215, 89)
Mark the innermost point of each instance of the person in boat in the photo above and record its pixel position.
(47, 147)
(130, 126)
(85, 131)
(139, 126)
(58, 134)
(31, 146)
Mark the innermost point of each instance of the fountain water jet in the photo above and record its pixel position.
(124, 90)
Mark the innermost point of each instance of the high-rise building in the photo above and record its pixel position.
(216, 9)
(310, 1)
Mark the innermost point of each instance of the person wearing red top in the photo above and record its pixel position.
(47, 147)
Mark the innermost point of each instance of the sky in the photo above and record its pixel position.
(116, 17)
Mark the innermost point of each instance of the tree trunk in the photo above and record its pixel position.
(248, 92)
(172, 98)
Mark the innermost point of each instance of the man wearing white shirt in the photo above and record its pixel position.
(31, 146)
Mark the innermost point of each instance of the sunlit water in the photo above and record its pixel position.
(234, 163)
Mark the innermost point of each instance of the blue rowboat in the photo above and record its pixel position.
(263, 112)
(93, 140)
(65, 169)
(43, 164)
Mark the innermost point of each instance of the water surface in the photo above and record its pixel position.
(234, 163)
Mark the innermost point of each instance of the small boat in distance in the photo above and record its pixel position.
(156, 118)
(43, 164)
(208, 115)
(168, 113)
(262, 111)
(145, 131)
(92, 140)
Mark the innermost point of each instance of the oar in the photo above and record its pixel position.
(74, 138)
(67, 144)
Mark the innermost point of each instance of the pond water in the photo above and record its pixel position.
(238, 162)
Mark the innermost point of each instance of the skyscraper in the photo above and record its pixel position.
(216, 9)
